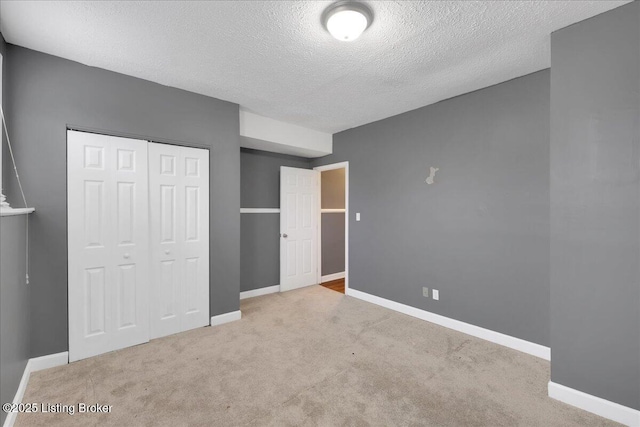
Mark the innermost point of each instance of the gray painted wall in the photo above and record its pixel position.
(14, 293)
(332, 197)
(595, 206)
(332, 243)
(260, 251)
(5, 86)
(260, 233)
(14, 307)
(46, 94)
(480, 234)
(260, 176)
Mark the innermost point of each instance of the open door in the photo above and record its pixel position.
(299, 207)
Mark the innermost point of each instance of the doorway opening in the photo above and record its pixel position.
(333, 221)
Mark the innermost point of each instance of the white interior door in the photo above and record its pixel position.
(179, 200)
(299, 206)
(107, 208)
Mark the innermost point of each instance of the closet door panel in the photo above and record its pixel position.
(196, 237)
(179, 194)
(166, 268)
(129, 209)
(107, 243)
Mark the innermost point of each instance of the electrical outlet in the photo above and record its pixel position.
(435, 294)
(425, 292)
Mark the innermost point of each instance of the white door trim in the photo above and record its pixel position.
(345, 166)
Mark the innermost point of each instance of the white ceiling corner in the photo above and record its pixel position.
(274, 57)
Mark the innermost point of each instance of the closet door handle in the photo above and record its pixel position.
(167, 251)
(126, 256)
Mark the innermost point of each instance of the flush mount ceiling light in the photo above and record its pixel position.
(346, 20)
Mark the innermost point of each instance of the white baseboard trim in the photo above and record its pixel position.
(467, 328)
(33, 365)
(49, 361)
(595, 405)
(259, 292)
(330, 277)
(221, 319)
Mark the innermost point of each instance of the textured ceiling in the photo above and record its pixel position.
(274, 57)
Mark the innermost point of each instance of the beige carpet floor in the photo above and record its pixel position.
(303, 358)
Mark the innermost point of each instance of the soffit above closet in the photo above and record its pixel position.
(274, 58)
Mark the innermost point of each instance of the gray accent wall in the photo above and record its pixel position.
(46, 94)
(5, 86)
(14, 293)
(260, 251)
(14, 307)
(332, 243)
(480, 233)
(260, 176)
(595, 206)
(333, 227)
(260, 233)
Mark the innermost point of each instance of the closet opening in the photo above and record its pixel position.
(138, 241)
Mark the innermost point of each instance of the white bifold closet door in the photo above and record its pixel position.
(179, 223)
(107, 207)
(138, 241)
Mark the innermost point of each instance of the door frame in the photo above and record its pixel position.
(323, 168)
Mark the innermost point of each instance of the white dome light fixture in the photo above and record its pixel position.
(347, 20)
